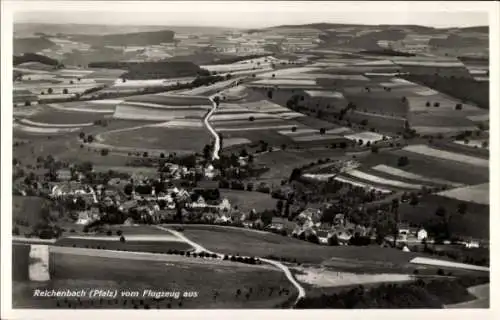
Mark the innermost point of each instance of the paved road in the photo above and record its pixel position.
(279, 265)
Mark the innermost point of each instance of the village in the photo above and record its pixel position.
(178, 194)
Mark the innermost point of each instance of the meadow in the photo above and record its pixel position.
(83, 271)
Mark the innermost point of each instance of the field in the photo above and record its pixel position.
(27, 208)
(155, 244)
(247, 201)
(77, 271)
(425, 165)
(252, 243)
(478, 194)
(282, 162)
(445, 155)
(475, 223)
(55, 116)
(408, 175)
(159, 138)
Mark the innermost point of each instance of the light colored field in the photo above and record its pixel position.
(56, 96)
(375, 179)
(365, 136)
(447, 264)
(41, 130)
(403, 81)
(278, 82)
(316, 137)
(39, 262)
(408, 175)
(289, 71)
(472, 143)
(377, 115)
(181, 124)
(139, 83)
(79, 71)
(435, 130)
(324, 94)
(155, 114)
(106, 101)
(321, 277)
(482, 117)
(375, 63)
(431, 64)
(54, 125)
(291, 115)
(446, 155)
(81, 109)
(478, 194)
(235, 141)
(325, 177)
(37, 76)
(426, 92)
(235, 93)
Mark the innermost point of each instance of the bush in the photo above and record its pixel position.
(104, 152)
(109, 233)
(440, 272)
(119, 232)
(122, 239)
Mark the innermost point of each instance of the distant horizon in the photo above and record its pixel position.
(251, 14)
(243, 28)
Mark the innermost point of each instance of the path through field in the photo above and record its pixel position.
(279, 265)
(482, 294)
(212, 130)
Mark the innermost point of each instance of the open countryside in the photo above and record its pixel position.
(315, 166)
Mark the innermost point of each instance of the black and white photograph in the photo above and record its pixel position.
(247, 155)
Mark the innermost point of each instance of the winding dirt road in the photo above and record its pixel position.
(279, 265)
(215, 155)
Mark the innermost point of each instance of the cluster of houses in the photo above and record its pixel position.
(154, 206)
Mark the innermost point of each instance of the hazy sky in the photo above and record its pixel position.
(250, 14)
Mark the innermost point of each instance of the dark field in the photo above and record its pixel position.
(75, 271)
(475, 223)
(430, 167)
(139, 246)
(171, 100)
(50, 115)
(160, 138)
(247, 242)
(385, 105)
